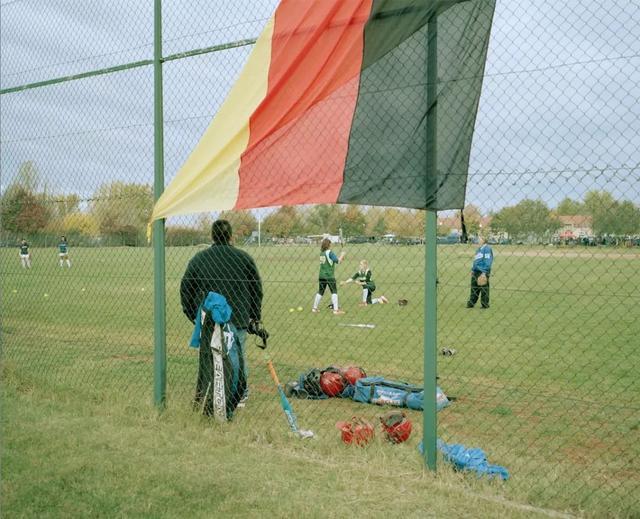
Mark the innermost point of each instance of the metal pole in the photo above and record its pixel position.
(429, 417)
(159, 300)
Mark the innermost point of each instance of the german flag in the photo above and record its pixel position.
(331, 108)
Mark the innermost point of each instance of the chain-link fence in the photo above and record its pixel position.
(540, 364)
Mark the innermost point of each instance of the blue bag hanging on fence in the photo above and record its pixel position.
(221, 382)
(220, 312)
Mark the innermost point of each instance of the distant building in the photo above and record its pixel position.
(575, 226)
(455, 226)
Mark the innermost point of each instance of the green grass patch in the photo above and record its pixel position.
(545, 382)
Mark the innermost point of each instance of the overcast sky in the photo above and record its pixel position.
(559, 113)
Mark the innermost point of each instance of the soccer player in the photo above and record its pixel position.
(25, 257)
(364, 279)
(327, 277)
(63, 254)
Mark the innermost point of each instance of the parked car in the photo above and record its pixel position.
(407, 241)
(361, 239)
(449, 240)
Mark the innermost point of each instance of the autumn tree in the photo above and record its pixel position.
(322, 219)
(122, 209)
(610, 216)
(243, 223)
(353, 221)
(81, 224)
(375, 224)
(204, 222)
(181, 235)
(284, 222)
(628, 221)
(570, 207)
(472, 219)
(443, 230)
(22, 212)
(525, 219)
(28, 177)
(22, 208)
(63, 205)
(404, 222)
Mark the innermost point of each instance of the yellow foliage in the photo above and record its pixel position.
(80, 223)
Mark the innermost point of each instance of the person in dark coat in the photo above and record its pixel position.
(229, 271)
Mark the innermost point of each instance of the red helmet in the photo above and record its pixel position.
(356, 431)
(396, 426)
(353, 373)
(331, 383)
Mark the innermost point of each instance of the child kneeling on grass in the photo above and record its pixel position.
(364, 279)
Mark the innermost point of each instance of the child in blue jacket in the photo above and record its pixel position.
(481, 268)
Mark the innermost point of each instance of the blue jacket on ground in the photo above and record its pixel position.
(465, 459)
(483, 259)
(474, 460)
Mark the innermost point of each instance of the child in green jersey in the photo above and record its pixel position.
(364, 278)
(327, 276)
(25, 257)
(63, 248)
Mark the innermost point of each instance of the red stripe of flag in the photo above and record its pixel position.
(299, 135)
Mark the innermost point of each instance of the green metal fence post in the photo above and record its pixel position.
(159, 299)
(429, 417)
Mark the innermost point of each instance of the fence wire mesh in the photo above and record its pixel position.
(544, 378)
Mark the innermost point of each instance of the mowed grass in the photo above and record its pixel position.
(545, 382)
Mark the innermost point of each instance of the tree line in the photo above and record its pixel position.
(533, 218)
(118, 213)
(288, 222)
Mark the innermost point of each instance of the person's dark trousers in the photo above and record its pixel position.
(478, 291)
(370, 290)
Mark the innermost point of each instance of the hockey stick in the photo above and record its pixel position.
(284, 403)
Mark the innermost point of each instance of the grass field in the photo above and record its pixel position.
(546, 382)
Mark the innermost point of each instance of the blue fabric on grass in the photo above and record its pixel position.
(465, 459)
(220, 313)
